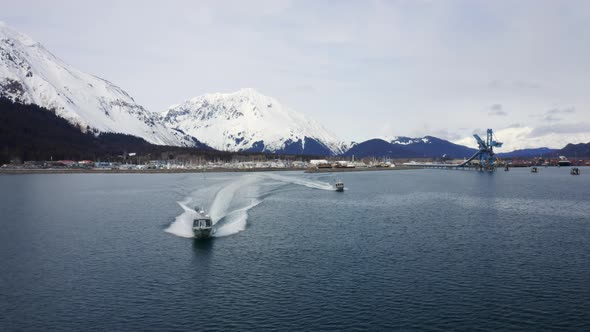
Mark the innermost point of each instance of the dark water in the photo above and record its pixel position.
(410, 250)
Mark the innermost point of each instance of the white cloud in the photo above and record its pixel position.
(524, 137)
(497, 110)
(562, 128)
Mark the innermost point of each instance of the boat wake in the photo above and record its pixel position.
(300, 181)
(230, 200)
(182, 225)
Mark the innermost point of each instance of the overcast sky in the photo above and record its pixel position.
(363, 69)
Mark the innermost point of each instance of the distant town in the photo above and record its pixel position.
(200, 165)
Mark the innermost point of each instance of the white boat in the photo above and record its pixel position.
(563, 161)
(339, 185)
(202, 225)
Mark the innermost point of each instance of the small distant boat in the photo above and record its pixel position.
(339, 185)
(202, 225)
(575, 171)
(506, 169)
(563, 161)
(534, 169)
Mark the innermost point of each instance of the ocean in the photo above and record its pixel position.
(397, 250)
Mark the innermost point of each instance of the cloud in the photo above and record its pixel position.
(552, 115)
(561, 128)
(527, 85)
(518, 85)
(522, 137)
(446, 134)
(551, 118)
(497, 110)
(565, 110)
(305, 88)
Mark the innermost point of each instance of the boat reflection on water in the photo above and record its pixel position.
(203, 245)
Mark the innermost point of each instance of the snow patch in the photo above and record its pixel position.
(240, 120)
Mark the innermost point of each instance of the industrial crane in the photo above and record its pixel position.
(486, 151)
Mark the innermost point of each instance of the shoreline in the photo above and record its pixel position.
(176, 171)
(366, 169)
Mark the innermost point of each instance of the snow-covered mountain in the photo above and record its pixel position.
(31, 74)
(246, 120)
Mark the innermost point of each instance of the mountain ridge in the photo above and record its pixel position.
(407, 147)
(529, 153)
(31, 74)
(246, 120)
(580, 150)
(30, 132)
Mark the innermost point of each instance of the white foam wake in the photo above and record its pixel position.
(232, 201)
(300, 181)
(235, 221)
(182, 225)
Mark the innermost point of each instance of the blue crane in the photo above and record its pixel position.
(485, 154)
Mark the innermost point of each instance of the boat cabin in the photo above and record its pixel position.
(202, 223)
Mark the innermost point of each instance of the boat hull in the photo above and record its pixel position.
(202, 233)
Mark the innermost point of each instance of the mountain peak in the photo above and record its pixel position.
(250, 92)
(404, 140)
(30, 74)
(242, 94)
(6, 32)
(247, 119)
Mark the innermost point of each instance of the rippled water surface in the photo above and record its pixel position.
(418, 249)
